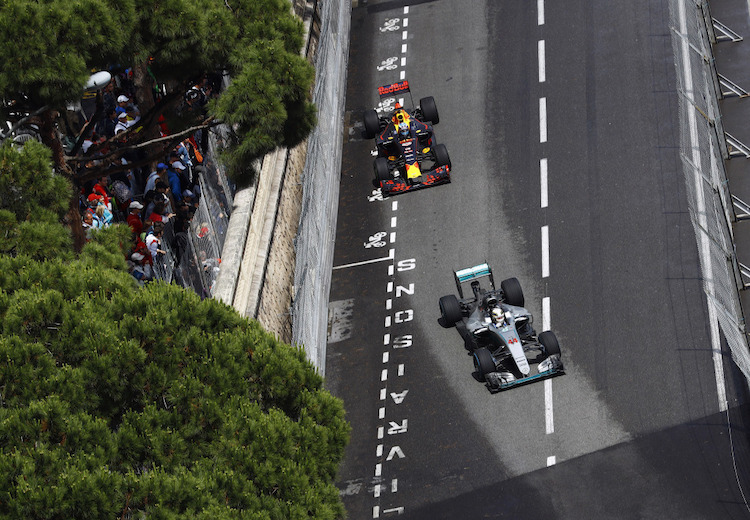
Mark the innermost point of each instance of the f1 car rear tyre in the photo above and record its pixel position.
(429, 110)
(483, 362)
(382, 173)
(372, 123)
(549, 342)
(441, 155)
(450, 310)
(513, 293)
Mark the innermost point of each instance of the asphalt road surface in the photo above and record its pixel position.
(561, 123)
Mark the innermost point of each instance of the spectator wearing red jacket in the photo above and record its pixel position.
(134, 217)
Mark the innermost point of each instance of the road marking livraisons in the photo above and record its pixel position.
(393, 317)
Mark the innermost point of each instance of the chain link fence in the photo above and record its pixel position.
(703, 150)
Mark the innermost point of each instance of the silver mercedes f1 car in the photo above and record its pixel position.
(497, 331)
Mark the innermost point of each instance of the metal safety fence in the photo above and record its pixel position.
(317, 224)
(192, 257)
(703, 150)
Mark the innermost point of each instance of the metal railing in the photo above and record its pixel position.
(704, 148)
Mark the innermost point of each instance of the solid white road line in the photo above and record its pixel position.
(391, 256)
(540, 12)
(542, 66)
(543, 181)
(542, 120)
(545, 251)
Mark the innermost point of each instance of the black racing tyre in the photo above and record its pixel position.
(429, 110)
(450, 310)
(483, 362)
(513, 293)
(372, 123)
(441, 155)
(382, 173)
(549, 342)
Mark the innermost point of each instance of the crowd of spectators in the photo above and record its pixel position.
(149, 200)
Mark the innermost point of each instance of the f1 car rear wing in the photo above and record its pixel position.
(394, 89)
(473, 273)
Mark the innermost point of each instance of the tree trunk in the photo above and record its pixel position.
(51, 138)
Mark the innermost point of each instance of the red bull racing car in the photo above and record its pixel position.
(408, 157)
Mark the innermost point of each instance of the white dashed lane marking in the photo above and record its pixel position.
(540, 12)
(545, 251)
(543, 181)
(542, 66)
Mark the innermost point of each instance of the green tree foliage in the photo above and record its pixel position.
(125, 402)
(49, 48)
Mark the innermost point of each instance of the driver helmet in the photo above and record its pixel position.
(403, 129)
(498, 317)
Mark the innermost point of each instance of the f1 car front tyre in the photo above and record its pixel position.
(429, 110)
(441, 155)
(512, 291)
(483, 362)
(450, 310)
(382, 173)
(372, 123)
(549, 342)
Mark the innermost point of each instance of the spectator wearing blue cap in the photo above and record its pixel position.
(159, 173)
